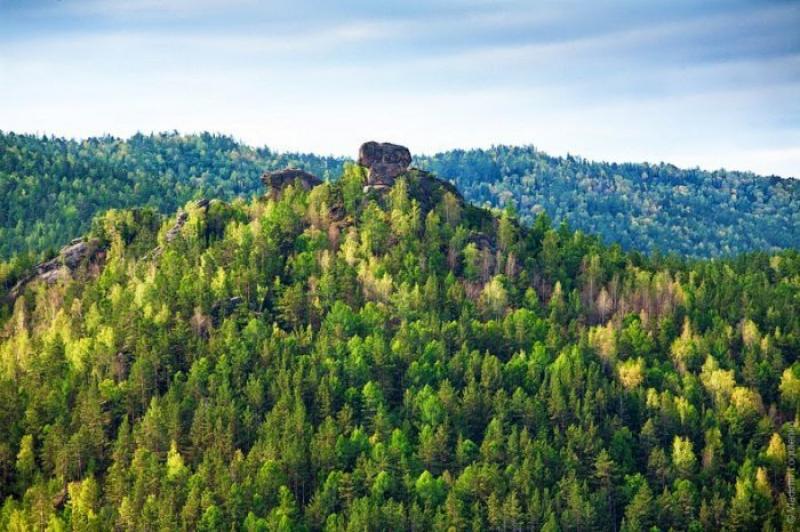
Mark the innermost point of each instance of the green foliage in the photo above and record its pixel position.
(330, 360)
(51, 187)
(644, 207)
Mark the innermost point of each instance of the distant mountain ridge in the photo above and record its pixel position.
(642, 206)
(51, 187)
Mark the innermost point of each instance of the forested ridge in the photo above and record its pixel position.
(51, 187)
(339, 360)
(643, 207)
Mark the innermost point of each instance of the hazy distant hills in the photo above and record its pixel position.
(51, 187)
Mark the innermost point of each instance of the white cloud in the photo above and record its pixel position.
(611, 90)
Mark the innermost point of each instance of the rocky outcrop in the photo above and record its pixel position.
(175, 230)
(425, 185)
(384, 161)
(69, 258)
(278, 180)
(72, 254)
(428, 190)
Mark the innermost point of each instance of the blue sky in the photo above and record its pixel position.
(710, 84)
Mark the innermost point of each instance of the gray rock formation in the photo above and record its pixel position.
(69, 258)
(384, 161)
(175, 230)
(280, 179)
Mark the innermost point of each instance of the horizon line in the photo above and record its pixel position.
(423, 153)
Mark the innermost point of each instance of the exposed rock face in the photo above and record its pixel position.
(385, 162)
(428, 190)
(74, 253)
(280, 179)
(175, 230)
(68, 259)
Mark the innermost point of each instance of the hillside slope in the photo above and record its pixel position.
(646, 207)
(346, 360)
(50, 188)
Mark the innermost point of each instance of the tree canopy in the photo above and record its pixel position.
(335, 360)
(51, 187)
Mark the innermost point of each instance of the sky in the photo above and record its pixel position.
(714, 84)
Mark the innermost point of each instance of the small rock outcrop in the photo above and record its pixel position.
(175, 230)
(202, 203)
(278, 180)
(69, 258)
(385, 161)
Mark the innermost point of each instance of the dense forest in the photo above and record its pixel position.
(643, 207)
(51, 187)
(330, 359)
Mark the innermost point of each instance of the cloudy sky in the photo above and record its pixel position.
(710, 84)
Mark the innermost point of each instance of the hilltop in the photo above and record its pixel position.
(373, 352)
(50, 188)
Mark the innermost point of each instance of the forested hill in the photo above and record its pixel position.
(325, 358)
(51, 187)
(646, 207)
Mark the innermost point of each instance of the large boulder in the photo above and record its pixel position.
(280, 179)
(384, 161)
